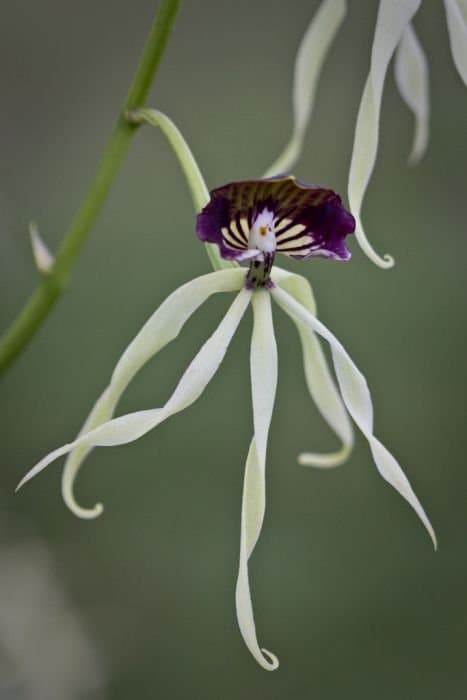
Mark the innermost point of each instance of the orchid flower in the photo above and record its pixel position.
(249, 221)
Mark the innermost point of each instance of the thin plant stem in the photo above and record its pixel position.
(54, 282)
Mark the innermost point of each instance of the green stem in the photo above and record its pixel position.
(54, 283)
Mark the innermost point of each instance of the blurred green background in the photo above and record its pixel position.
(347, 590)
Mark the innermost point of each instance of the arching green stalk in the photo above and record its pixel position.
(54, 282)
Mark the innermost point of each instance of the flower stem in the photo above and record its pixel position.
(54, 283)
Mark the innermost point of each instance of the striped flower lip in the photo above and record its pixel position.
(254, 219)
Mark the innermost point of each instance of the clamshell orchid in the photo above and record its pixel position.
(256, 219)
(249, 221)
(252, 222)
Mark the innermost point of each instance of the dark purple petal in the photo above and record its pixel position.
(210, 222)
(308, 220)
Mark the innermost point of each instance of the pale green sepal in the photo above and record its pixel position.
(318, 377)
(263, 364)
(42, 256)
(393, 18)
(132, 426)
(167, 321)
(357, 399)
(456, 15)
(193, 176)
(101, 412)
(263, 367)
(160, 329)
(311, 55)
(253, 505)
(411, 75)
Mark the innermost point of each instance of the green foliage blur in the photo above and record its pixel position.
(346, 587)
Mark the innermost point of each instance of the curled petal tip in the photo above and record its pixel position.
(272, 662)
(85, 513)
(385, 262)
(388, 261)
(70, 471)
(324, 460)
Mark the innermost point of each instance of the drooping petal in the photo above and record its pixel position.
(311, 55)
(161, 328)
(318, 377)
(308, 220)
(132, 426)
(393, 18)
(356, 395)
(253, 505)
(456, 15)
(411, 74)
(263, 363)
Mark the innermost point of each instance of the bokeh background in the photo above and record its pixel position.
(140, 603)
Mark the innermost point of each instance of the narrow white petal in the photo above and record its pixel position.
(42, 256)
(263, 362)
(167, 321)
(357, 399)
(318, 377)
(253, 504)
(393, 18)
(311, 55)
(411, 74)
(391, 471)
(132, 426)
(326, 460)
(101, 412)
(161, 328)
(456, 15)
